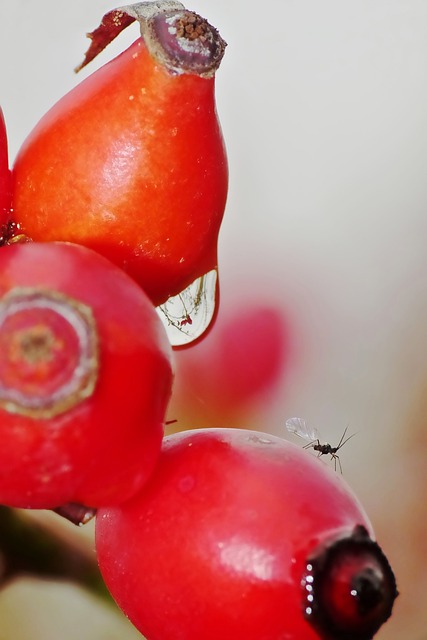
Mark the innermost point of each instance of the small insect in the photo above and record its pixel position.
(186, 320)
(300, 427)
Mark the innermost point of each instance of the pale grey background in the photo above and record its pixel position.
(323, 105)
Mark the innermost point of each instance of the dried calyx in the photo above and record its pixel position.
(180, 40)
(75, 513)
(349, 587)
(49, 346)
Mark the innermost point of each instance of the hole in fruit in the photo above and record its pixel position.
(349, 588)
(187, 316)
(49, 349)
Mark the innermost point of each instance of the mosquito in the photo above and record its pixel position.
(300, 427)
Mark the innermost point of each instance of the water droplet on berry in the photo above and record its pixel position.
(187, 316)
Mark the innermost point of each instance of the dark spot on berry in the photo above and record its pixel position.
(349, 587)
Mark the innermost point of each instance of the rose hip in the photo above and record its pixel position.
(5, 179)
(240, 535)
(85, 378)
(132, 161)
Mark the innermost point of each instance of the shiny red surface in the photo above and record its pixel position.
(215, 544)
(130, 163)
(103, 448)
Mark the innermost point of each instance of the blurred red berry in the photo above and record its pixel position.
(236, 364)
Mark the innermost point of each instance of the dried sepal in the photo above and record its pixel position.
(180, 40)
(115, 21)
(75, 513)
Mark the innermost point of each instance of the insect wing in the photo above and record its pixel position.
(300, 427)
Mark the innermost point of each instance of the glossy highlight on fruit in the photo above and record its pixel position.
(131, 162)
(218, 541)
(85, 378)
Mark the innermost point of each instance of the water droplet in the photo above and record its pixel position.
(188, 315)
(260, 439)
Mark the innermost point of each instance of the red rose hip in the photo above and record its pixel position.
(85, 378)
(5, 179)
(132, 162)
(240, 535)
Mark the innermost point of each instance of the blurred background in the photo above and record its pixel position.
(323, 265)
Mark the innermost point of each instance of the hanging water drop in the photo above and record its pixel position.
(188, 315)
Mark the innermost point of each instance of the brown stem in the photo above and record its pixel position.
(78, 514)
(28, 548)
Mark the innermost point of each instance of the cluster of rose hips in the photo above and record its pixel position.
(112, 207)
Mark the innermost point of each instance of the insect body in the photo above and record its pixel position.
(300, 427)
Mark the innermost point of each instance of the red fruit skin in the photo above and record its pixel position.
(215, 544)
(130, 163)
(5, 176)
(101, 450)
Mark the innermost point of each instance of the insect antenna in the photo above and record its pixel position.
(342, 441)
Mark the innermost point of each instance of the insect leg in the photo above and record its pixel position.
(310, 444)
(336, 458)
